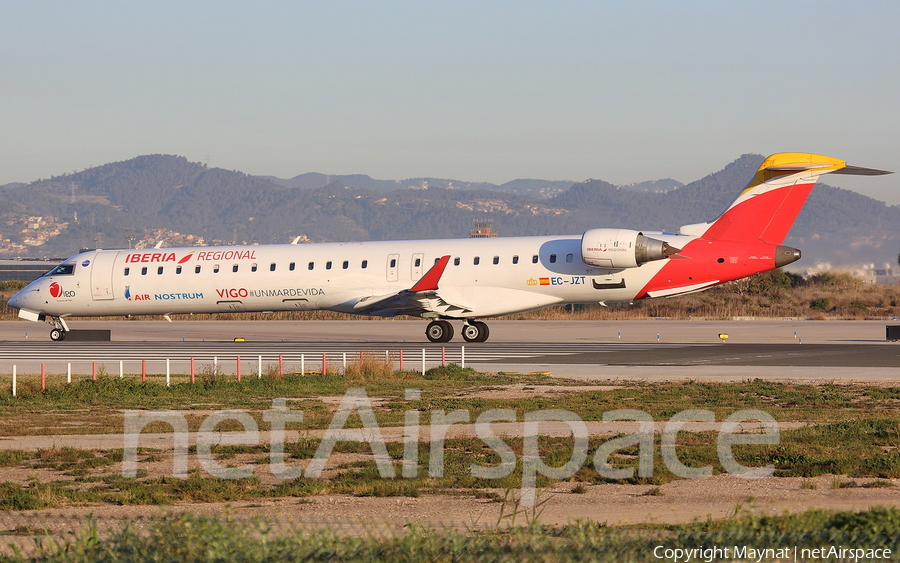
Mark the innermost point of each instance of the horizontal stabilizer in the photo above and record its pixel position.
(860, 171)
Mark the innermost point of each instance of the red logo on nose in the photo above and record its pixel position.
(55, 289)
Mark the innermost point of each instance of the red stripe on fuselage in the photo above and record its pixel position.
(703, 261)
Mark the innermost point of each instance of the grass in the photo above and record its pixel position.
(373, 368)
(90, 407)
(853, 433)
(840, 449)
(203, 538)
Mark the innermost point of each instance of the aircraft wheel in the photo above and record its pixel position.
(485, 331)
(439, 331)
(476, 331)
(56, 335)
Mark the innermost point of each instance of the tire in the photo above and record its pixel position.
(57, 334)
(485, 331)
(475, 331)
(439, 331)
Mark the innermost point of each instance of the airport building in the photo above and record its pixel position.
(886, 275)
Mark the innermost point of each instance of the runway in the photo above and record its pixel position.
(824, 350)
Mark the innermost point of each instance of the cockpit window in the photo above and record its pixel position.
(62, 270)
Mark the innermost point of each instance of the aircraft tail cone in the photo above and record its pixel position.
(785, 255)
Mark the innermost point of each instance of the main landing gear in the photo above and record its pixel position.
(442, 331)
(475, 331)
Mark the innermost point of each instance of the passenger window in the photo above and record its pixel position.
(215, 268)
(178, 270)
(553, 258)
(570, 257)
(418, 262)
(365, 264)
(196, 269)
(272, 267)
(534, 259)
(515, 259)
(477, 260)
(496, 259)
(312, 265)
(346, 264)
(456, 261)
(159, 271)
(393, 262)
(328, 265)
(127, 270)
(291, 266)
(234, 268)
(253, 267)
(144, 271)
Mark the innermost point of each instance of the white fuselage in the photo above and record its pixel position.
(488, 277)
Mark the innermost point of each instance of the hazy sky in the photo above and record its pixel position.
(481, 91)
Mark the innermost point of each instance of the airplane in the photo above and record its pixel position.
(441, 280)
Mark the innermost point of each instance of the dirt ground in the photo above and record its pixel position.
(680, 501)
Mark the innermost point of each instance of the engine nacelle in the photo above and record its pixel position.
(622, 248)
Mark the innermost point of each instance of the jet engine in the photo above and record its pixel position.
(622, 248)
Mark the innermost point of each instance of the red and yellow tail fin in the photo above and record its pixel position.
(768, 206)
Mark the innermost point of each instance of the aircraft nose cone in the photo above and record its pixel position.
(15, 301)
(20, 299)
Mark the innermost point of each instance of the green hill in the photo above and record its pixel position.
(163, 196)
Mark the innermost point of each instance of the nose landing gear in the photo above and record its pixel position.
(59, 328)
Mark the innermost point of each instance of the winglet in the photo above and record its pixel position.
(429, 281)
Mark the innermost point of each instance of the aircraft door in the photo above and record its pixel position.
(102, 275)
(416, 269)
(393, 265)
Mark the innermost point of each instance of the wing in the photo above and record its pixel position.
(419, 300)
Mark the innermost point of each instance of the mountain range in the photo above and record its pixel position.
(153, 197)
